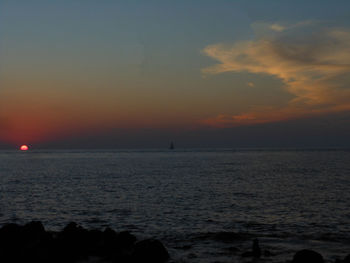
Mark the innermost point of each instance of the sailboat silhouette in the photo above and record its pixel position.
(171, 146)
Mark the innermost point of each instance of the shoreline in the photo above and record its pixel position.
(31, 242)
(19, 243)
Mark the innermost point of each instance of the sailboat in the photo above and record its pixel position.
(171, 146)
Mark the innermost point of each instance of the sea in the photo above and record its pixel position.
(204, 205)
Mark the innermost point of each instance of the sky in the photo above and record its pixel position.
(135, 74)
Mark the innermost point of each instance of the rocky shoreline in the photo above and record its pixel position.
(32, 243)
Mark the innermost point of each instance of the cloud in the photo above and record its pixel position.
(223, 120)
(311, 66)
(262, 28)
(257, 115)
(277, 27)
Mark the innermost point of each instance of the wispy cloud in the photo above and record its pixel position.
(263, 28)
(277, 27)
(311, 66)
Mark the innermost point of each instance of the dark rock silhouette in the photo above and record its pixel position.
(28, 242)
(256, 251)
(34, 229)
(307, 256)
(31, 243)
(347, 259)
(150, 250)
(256, 248)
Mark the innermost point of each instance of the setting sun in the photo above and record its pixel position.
(24, 148)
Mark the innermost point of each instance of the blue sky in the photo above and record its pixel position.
(105, 67)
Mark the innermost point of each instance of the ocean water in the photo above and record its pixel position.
(204, 205)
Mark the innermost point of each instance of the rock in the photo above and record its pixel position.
(117, 243)
(307, 256)
(11, 242)
(256, 248)
(109, 241)
(38, 244)
(347, 259)
(94, 242)
(31, 243)
(25, 243)
(34, 229)
(150, 250)
(10, 232)
(35, 232)
(125, 239)
(256, 251)
(72, 243)
(110, 235)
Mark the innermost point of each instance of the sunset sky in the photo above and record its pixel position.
(96, 74)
